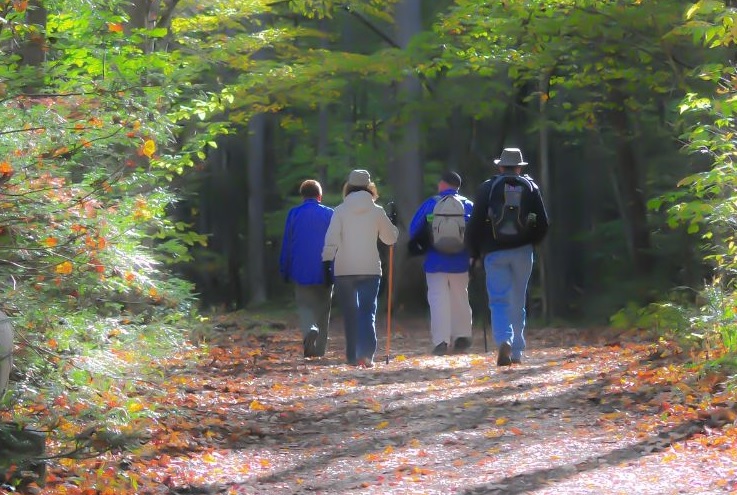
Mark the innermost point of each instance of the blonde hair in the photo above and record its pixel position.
(371, 189)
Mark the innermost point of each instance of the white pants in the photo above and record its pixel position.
(450, 311)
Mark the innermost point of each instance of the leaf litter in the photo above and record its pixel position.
(247, 414)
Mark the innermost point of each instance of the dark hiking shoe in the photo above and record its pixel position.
(441, 349)
(309, 343)
(462, 344)
(365, 363)
(503, 359)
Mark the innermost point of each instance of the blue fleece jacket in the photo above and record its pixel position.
(304, 236)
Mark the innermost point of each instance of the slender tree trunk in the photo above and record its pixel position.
(457, 143)
(6, 351)
(633, 200)
(33, 49)
(139, 13)
(544, 253)
(323, 127)
(256, 197)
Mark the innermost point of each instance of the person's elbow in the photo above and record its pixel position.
(390, 237)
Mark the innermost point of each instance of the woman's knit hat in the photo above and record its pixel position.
(359, 178)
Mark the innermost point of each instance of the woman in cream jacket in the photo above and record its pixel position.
(352, 256)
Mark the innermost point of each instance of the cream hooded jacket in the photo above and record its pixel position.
(351, 237)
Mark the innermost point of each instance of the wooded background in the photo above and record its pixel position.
(192, 124)
(589, 90)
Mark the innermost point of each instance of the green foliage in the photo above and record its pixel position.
(87, 160)
(705, 203)
(710, 324)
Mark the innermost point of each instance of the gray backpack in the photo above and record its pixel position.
(448, 225)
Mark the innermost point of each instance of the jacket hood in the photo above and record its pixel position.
(359, 202)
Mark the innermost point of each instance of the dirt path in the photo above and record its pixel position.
(592, 417)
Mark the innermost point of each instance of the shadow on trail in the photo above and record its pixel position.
(537, 479)
(346, 427)
(422, 422)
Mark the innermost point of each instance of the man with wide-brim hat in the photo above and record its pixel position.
(507, 221)
(510, 157)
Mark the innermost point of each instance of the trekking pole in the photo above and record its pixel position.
(485, 305)
(389, 302)
(483, 329)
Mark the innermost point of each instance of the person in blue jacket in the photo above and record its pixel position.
(301, 262)
(447, 275)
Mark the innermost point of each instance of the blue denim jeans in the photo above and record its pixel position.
(357, 297)
(507, 275)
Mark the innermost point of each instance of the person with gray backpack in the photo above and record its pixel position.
(438, 230)
(508, 220)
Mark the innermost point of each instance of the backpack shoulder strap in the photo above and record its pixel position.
(530, 181)
(525, 179)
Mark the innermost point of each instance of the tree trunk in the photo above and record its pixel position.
(256, 235)
(544, 253)
(6, 352)
(33, 49)
(406, 174)
(323, 126)
(634, 209)
(139, 12)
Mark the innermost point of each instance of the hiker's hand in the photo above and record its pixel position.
(391, 212)
(473, 263)
(327, 273)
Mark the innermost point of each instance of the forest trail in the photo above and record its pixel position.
(606, 414)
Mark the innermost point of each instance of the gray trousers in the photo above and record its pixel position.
(313, 310)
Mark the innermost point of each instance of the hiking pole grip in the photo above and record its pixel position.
(389, 302)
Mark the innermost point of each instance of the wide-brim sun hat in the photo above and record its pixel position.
(511, 157)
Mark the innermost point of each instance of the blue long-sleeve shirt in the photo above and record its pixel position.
(435, 261)
(304, 236)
